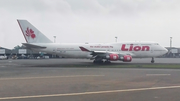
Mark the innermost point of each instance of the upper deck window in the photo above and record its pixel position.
(145, 44)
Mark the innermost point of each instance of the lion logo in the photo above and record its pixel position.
(30, 33)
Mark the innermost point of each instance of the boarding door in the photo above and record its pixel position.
(54, 52)
(151, 49)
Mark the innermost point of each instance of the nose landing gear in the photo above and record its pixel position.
(152, 60)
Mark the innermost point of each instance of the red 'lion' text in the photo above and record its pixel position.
(134, 48)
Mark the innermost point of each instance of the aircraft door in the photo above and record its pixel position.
(152, 49)
(54, 52)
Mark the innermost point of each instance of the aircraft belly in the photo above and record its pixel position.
(74, 54)
(142, 54)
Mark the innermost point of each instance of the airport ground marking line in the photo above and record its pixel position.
(47, 77)
(158, 74)
(88, 93)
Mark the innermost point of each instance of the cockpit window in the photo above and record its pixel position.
(156, 44)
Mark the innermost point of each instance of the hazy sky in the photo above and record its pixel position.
(93, 21)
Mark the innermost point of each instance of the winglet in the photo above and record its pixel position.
(84, 49)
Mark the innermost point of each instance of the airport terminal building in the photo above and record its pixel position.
(5, 51)
(22, 53)
(173, 52)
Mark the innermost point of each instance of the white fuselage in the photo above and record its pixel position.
(135, 49)
(123, 51)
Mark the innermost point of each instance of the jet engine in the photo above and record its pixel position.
(127, 58)
(115, 57)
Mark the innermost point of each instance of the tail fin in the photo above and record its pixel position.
(31, 34)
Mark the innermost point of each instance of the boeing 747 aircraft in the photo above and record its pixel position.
(100, 53)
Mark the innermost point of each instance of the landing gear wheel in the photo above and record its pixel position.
(152, 61)
(94, 61)
(107, 62)
(98, 61)
(101, 61)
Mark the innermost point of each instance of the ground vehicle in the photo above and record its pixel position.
(3, 57)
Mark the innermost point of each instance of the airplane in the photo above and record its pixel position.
(99, 52)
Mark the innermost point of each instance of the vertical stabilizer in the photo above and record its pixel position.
(31, 34)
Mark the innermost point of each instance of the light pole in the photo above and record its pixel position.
(170, 42)
(54, 39)
(116, 38)
(54, 42)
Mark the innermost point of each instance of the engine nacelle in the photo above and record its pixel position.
(127, 58)
(113, 57)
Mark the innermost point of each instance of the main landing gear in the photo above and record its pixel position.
(100, 61)
(107, 62)
(152, 60)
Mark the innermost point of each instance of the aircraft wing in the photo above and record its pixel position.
(94, 53)
(28, 45)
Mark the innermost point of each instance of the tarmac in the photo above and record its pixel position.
(51, 79)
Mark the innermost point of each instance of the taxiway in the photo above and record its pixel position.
(29, 80)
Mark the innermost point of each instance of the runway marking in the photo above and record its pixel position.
(88, 93)
(158, 74)
(47, 77)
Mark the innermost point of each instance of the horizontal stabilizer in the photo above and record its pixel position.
(32, 46)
